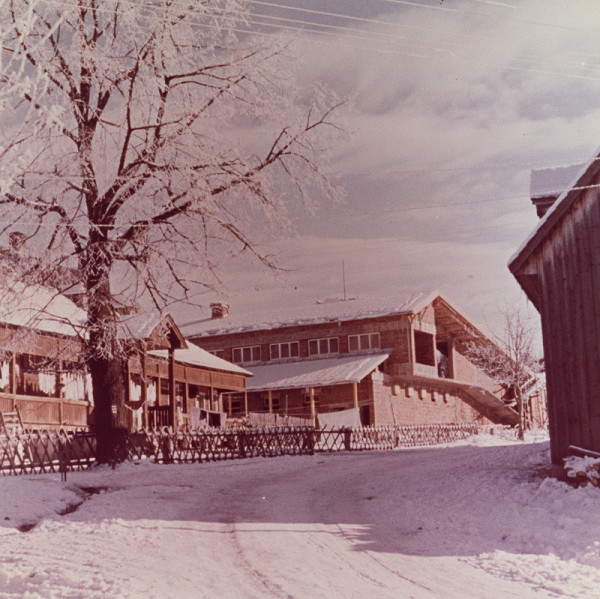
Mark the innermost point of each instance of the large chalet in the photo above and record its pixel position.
(388, 362)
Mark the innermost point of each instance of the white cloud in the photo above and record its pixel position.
(449, 109)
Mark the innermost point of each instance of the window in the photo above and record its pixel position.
(198, 396)
(364, 341)
(237, 404)
(328, 345)
(274, 402)
(307, 399)
(424, 348)
(247, 354)
(165, 387)
(220, 353)
(281, 351)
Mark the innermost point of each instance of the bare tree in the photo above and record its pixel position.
(511, 360)
(139, 141)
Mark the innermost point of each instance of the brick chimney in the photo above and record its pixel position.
(219, 310)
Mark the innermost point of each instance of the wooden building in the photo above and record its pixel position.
(558, 267)
(42, 375)
(395, 362)
(175, 380)
(40, 371)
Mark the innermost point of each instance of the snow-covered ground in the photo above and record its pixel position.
(476, 519)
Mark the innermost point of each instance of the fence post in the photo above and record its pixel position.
(63, 460)
(242, 444)
(165, 446)
(348, 439)
(310, 440)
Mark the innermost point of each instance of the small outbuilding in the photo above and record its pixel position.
(558, 267)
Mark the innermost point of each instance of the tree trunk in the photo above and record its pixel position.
(521, 408)
(111, 424)
(106, 361)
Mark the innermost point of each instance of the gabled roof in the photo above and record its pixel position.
(583, 181)
(553, 182)
(196, 356)
(318, 313)
(315, 373)
(158, 331)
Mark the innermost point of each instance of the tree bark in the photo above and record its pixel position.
(519, 394)
(111, 424)
(107, 362)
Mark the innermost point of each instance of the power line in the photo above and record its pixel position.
(213, 12)
(520, 166)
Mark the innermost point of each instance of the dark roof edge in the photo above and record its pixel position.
(554, 215)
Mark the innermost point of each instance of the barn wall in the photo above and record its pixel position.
(568, 266)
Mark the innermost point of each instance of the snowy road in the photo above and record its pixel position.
(464, 521)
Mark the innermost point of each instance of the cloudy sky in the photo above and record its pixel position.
(453, 102)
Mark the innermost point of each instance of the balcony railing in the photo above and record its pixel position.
(416, 369)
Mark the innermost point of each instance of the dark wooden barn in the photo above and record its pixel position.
(558, 267)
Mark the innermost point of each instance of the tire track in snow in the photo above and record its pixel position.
(247, 563)
(385, 566)
(360, 571)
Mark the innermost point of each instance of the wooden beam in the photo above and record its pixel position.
(172, 402)
(451, 365)
(313, 408)
(145, 422)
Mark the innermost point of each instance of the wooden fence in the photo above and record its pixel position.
(61, 451)
(46, 451)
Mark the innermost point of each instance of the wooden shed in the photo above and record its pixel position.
(558, 267)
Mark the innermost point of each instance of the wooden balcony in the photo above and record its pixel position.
(47, 412)
(159, 416)
(416, 369)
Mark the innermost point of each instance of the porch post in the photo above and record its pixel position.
(313, 408)
(172, 402)
(451, 372)
(145, 423)
(270, 396)
(13, 379)
(355, 394)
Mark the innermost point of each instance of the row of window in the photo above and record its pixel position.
(291, 349)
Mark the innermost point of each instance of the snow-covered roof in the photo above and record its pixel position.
(314, 373)
(158, 329)
(580, 182)
(196, 356)
(40, 308)
(139, 326)
(323, 312)
(552, 181)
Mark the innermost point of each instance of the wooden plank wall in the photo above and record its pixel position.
(569, 269)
